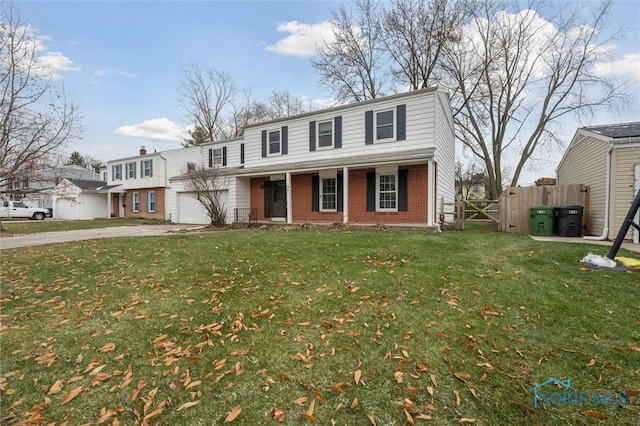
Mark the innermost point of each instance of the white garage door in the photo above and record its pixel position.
(65, 209)
(190, 210)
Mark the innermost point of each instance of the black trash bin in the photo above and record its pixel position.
(568, 221)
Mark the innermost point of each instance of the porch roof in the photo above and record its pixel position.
(112, 189)
(354, 161)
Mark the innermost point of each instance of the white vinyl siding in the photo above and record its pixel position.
(623, 162)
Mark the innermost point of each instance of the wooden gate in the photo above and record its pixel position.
(515, 203)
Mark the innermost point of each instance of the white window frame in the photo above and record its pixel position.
(130, 170)
(135, 202)
(379, 191)
(269, 133)
(321, 193)
(146, 169)
(331, 134)
(376, 125)
(116, 171)
(216, 157)
(150, 202)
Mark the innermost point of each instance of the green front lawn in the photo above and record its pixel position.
(312, 325)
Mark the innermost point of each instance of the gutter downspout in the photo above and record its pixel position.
(166, 190)
(607, 196)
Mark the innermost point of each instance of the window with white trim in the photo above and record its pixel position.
(274, 142)
(216, 157)
(384, 124)
(116, 172)
(328, 194)
(135, 202)
(130, 170)
(387, 193)
(147, 168)
(151, 201)
(325, 134)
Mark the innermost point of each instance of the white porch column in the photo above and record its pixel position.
(431, 193)
(108, 205)
(289, 198)
(345, 195)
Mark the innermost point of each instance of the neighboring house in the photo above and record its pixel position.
(36, 186)
(383, 161)
(607, 160)
(79, 199)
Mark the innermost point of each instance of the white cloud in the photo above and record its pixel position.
(98, 75)
(302, 39)
(160, 129)
(628, 66)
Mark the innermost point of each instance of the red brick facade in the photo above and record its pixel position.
(143, 210)
(301, 194)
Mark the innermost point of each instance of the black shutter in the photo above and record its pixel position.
(402, 190)
(285, 140)
(210, 158)
(224, 155)
(401, 111)
(264, 143)
(267, 198)
(315, 194)
(371, 191)
(337, 129)
(339, 193)
(312, 136)
(241, 153)
(368, 128)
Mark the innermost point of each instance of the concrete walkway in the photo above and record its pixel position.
(44, 238)
(579, 240)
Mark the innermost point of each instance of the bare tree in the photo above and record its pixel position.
(207, 95)
(516, 74)
(415, 34)
(352, 65)
(36, 117)
(209, 184)
(471, 179)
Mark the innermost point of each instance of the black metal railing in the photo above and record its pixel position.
(247, 215)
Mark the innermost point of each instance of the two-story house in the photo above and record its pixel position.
(384, 161)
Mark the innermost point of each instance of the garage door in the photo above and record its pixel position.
(65, 209)
(190, 210)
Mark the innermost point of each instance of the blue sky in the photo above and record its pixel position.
(122, 60)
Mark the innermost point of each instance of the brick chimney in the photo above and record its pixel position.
(143, 150)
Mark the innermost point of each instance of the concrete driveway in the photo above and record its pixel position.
(43, 238)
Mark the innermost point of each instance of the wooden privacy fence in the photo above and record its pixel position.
(515, 203)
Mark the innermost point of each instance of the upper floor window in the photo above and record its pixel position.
(146, 167)
(130, 170)
(325, 134)
(104, 176)
(191, 167)
(116, 172)
(274, 142)
(216, 157)
(384, 124)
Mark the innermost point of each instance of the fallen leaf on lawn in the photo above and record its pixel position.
(320, 397)
(457, 398)
(594, 414)
(473, 392)
(357, 376)
(634, 347)
(300, 400)
(338, 408)
(424, 417)
(430, 390)
(233, 414)
(399, 375)
(371, 420)
(409, 418)
(312, 407)
(55, 388)
(188, 405)
(310, 418)
(466, 420)
(277, 414)
(432, 377)
(108, 347)
(68, 397)
(591, 362)
(354, 403)
(462, 375)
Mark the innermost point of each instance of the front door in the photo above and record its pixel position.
(278, 199)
